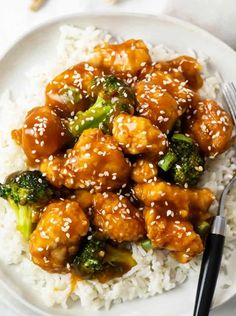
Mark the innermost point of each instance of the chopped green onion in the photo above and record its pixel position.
(182, 137)
(202, 228)
(167, 161)
(146, 244)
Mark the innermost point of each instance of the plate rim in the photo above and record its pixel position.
(105, 14)
(164, 17)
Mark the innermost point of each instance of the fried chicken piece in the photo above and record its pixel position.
(157, 105)
(179, 90)
(67, 93)
(96, 162)
(174, 234)
(56, 239)
(188, 203)
(183, 68)
(125, 59)
(190, 69)
(84, 198)
(42, 134)
(210, 126)
(117, 218)
(137, 135)
(143, 170)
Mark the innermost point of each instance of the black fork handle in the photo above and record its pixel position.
(210, 267)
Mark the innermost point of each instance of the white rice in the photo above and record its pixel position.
(155, 272)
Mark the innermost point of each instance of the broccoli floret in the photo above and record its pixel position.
(119, 257)
(26, 192)
(97, 116)
(183, 162)
(110, 88)
(98, 256)
(90, 258)
(112, 97)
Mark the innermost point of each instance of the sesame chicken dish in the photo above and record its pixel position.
(115, 157)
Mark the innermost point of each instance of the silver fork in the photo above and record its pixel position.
(229, 92)
(214, 246)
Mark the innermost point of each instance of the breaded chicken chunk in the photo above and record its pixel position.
(56, 239)
(174, 234)
(42, 134)
(183, 68)
(84, 198)
(117, 218)
(157, 105)
(165, 82)
(137, 135)
(67, 92)
(143, 171)
(176, 200)
(210, 126)
(125, 59)
(96, 162)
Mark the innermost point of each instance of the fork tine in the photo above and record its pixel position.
(229, 96)
(229, 92)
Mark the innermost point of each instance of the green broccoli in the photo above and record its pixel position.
(26, 192)
(90, 258)
(96, 116)
(183, 163)
(112, 97)
(110, 88)
(98, 256)
(119, 257)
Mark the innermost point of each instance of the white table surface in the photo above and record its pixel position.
(16, 19)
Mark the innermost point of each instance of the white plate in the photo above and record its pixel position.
(39, 45)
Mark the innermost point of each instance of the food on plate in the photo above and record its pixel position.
(183, 68)
(67, 93)
(172, 233)
(157, 105)
(96, 162)
(136, 135)
(210, 126)
(188, 203)
(117, 218)
(27, 193)
(154, 80)
(124, 60)
(111, 96)
(114, 181)
(42, 134)
(183, 161)
(143, 171)
(55, 241)
(98, 259)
